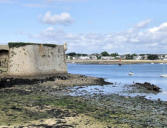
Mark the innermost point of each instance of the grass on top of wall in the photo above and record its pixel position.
(20, 44)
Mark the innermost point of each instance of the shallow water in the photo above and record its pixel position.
(119, 76)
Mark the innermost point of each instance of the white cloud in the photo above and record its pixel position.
(143, 40)
(63, 18)
(162, 27)
(139, 26)
(143, 24)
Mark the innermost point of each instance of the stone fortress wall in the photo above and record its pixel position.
(4, 51)
(36, 59)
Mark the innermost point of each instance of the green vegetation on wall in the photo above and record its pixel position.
(20, 44)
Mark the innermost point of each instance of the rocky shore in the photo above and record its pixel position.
(147, 86)
(47, 104)
(66, 79)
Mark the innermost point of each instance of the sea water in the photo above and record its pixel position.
(119, 76)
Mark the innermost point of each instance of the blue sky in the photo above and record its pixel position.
(88, 26)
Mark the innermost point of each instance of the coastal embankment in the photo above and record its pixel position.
(116, 61)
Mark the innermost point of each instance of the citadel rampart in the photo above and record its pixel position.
(37, 63)
(27, 59)
(4, 52)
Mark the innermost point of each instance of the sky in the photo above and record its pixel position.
(87, 26)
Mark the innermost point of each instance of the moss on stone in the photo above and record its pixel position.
(50, 45)
(21, 44)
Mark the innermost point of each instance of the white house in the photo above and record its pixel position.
(165, 58)
(84, 58)
(92, 57)
(137, 57)
(123, 57)
(107, 58)
(161, 56)
(145, 57)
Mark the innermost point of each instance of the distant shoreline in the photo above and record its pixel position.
(116, 61)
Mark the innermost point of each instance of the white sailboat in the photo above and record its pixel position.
(131, 74)
(163, 75)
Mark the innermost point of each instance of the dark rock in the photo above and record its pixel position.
(9, 81)
(53, 126)
(58, 113)
(147, 86)
(101, 81)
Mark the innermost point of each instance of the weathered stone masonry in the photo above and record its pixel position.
(36, 59)
(4, 51)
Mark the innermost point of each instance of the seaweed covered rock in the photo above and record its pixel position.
(148, 86)
(66, 79)
(9, 81)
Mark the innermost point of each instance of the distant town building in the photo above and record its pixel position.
(123, 57)
(161, 56)
(96, 56)
(68, 57)
(93, 57)
(74, 58)
(137, 57)
(118, 57)
(165, 58)
(84, 58)
(145, 57)
(107, 58)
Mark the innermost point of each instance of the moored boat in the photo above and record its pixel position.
(163, 75)
(131, 74)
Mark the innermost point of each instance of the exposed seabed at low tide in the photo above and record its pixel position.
(120, 89)
(50, 104)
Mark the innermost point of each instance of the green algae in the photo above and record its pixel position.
(23, 104)
(21, 44)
